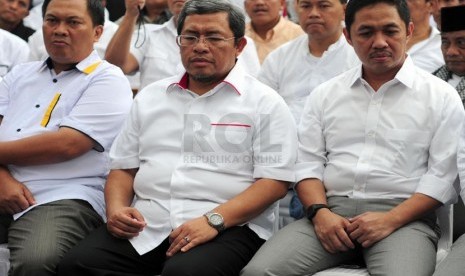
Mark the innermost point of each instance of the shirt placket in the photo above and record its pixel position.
(363, 167)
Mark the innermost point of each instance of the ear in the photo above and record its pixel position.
(240, 46)
(410, 28)
(347, 36)
(98, 30)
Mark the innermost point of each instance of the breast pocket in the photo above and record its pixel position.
(409, 150)
(235, 139)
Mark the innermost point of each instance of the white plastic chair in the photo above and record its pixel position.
(4, 260)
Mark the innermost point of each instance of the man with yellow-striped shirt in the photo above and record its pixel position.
(58, 121)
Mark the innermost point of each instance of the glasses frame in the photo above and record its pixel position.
(205, 40)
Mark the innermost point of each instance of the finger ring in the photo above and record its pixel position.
(186, 238)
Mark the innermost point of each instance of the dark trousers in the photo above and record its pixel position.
(101, 254)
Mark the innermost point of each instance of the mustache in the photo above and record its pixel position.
(381, 53)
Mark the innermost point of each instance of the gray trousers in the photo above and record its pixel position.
(454, 263)
(42, 236)
(296, 250)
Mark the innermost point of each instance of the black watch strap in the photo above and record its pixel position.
(313, 209)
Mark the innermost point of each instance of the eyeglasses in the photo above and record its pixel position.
(190, 40)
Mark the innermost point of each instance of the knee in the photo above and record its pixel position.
(34, 264)
(74, 261)
(253, 270)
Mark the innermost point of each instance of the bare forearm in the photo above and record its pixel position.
(47, 148)
(311, 191)
(413, 208)
(252, 201)
(119, 189)
(117, 51)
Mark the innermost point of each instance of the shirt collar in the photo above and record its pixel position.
(234, 80)
(86, 66)
(171, 26)
(405, 75)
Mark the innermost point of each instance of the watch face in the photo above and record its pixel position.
(216, 219)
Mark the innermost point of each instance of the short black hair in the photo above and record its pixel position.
(94, 7)
(355, 5)
(235, 15)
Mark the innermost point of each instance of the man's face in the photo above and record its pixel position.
(263, 12)
(69, 34)
(453, 49)
(203, 61)
(175, 6)
(321, 19)
(379, 37)
(13, 11)
(437, 5)
(420, 10)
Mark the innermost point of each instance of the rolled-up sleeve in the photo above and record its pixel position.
(438, 181)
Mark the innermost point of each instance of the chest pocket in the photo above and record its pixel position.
(409, 150)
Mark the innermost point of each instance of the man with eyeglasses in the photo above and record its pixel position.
(206, 153)
(151, 49)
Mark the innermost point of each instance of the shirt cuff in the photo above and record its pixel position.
(437, 188)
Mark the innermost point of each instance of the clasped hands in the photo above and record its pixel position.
(339, 234)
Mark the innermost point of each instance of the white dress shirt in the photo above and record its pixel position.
(389, 144)
(14, 51)
(294, 72)
(427, 54)
(94, 99)
(197, 152)
(158, 56)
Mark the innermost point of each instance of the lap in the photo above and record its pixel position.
(39, 238)
(102, 254)
(294, 250)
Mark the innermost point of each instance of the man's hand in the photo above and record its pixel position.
(125, 223)
(330, 229)
(371, 227)
(133, 6)
(190, 234)
(14, 197)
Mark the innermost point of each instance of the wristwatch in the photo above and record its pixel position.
(313, 209)
(215, 220)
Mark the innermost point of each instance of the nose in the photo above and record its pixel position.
(379, 41)
(60, 29)
(314, 12)
(201, 45)
(452, 50)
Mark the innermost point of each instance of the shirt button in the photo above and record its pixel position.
(371, 133)
(37, 105)
(55, 80)
(18, 130)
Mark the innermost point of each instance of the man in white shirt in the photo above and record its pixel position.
(153, 51)
(297, 67)
(206, 153)
(453, 50)
(300, 65)
(377, 156)
(37, 46)
(59, 118)
(425, 44)
(14, 51)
